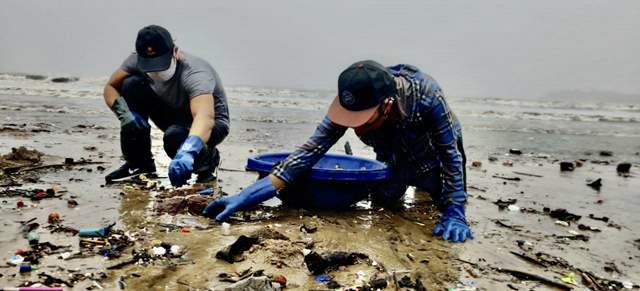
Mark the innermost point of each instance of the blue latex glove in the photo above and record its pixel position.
(453, 224)
(129, 121)
(259, 191)
(181, 166)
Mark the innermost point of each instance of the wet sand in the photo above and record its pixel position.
(399, 240)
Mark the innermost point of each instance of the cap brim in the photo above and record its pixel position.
(159, 63)
(341, 116)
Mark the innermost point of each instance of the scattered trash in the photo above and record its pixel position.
(595, 184)
(623, 169)
(96, 232)
(567, 166)
(588, 228)
(53, 218)
(234, 252)
(606, 153)
(476, 164)
(570, 278)
(507, 178)
(308, 229)
(563, 223)
(513, 208)
(502, 204)
(26, 267)
(205, 192)
(20, 204)
(16, 260)
(280, 279)
(72, 203)
(318, 264)
(252, 283)
(323, 278)
(515, 152)
(562, 214)
(33, 238)
(603, 218)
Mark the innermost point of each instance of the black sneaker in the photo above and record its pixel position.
(127, 171)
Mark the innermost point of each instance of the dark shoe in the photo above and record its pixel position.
(127, 171)
(206, 177)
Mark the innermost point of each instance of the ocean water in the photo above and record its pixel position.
(557, 128)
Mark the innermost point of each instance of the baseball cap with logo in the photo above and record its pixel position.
(154, 46)
(361, 89)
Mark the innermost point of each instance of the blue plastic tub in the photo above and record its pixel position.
(335, 181)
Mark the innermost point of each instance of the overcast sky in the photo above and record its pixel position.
(473, 48)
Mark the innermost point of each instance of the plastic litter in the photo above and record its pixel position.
(158, 251)
(26, 267)
(570, 278)
(513, 207)
(33, 238)
(96, 232)
(252, 284)
(323, 278)
(16, 260)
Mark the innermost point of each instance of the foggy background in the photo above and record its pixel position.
(516, 49)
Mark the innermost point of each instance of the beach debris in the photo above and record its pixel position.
(508, 163)
(311, 228)
(493, 159)
(606, 153)
(26, 268)
(602, 218)
(323, 278)
(252, 283)
(502, 204)
(53, 218)
(96, 232)
(506, 178)
(595, 184)
(237, 276)
(235, 251)
(280, 279)
(318, 264)
(16, 260)
(581, 237)
(566, 166)
(20, 204)
(64, 79)
(205, 192)
(533, 277)
(611, 267)
(476, 164)
(513, 208)
(347, 149)
(378, 283)
(527, 174)
(570, 278)
(579, 163)
(588, 228)
(562, 214)
(515, 152)
(72, 203)
(623, 169)
(562, 223)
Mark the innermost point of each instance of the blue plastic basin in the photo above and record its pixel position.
(335, 181)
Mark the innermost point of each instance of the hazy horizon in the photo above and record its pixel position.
(489, 48)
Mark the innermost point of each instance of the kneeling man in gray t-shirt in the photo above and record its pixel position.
(183, 96)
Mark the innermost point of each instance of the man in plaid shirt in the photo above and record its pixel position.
(401, 113)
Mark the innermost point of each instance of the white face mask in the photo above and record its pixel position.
(163, 76)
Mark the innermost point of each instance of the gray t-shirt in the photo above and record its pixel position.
(193, 77)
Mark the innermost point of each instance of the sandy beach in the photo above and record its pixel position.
(521, 244)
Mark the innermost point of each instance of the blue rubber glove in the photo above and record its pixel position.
(453, 224)
(129, 121)
(181, 166)
(259, 191)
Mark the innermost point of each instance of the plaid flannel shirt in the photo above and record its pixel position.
(425, 138)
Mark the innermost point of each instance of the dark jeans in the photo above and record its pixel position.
(136, 146)
(390, 192)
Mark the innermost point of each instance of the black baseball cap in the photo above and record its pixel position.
(361, 89)
(154, 46)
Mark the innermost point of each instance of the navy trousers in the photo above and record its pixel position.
(136, 146)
